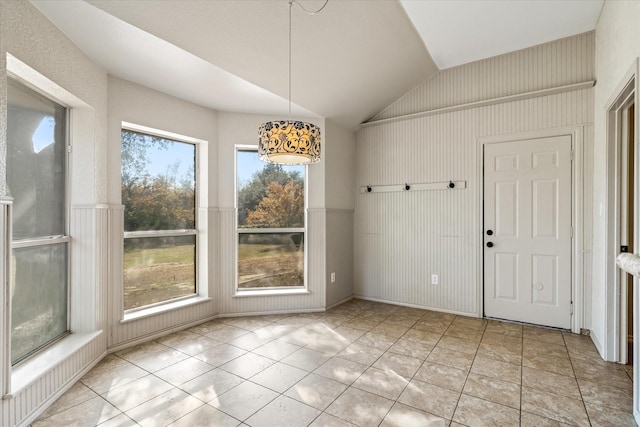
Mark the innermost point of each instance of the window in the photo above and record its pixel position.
(160, 235)
(36, 180)
(271, 223)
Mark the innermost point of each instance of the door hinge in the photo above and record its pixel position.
(571, 307)
(69, 148)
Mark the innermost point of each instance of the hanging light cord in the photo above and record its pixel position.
(308, 12)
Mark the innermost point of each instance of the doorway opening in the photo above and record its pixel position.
(622, 218)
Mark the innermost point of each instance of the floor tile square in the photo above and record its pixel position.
(620, 399)
(458, 344)
(360, 353)
(380, 341)
(226, 333)
(496, 369)
(247, 365)
(557, 365)
(78, 393)
(183, 371)
(316, 391)
(136, 392)
(494, 390)
(417, 349)
(211, 385)
(399, 364)
(430, 398)
(206, 416)
(550, 382)
(102, 381)
(605, 416)
(306, 359)
(405, 416)
(327, 420)
(220, 354)
(244, 400)
(360, 407)
(279, 377)
(164, 409)
(188, 342)
(455, 359)
(153, 362)
(341, 370)
(283, 411)
(92, 412)
(472, 412)
(556, 407)
(384, 383)
(276, 350)
(442, 376)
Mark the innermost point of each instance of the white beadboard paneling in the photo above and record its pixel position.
(25, 406)
(561, 62)
(401, 239)
(88, 289)
(88, 274)
(315, 247)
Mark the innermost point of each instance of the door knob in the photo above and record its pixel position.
(489, 232)
(489, 244)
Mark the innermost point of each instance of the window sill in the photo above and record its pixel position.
(35, 367)
(163, 308)
(272, 292)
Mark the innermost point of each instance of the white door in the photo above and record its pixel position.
(527, 231)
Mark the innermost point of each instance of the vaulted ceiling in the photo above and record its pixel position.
(349, 61)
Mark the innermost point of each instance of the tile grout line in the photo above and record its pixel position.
(576, 379)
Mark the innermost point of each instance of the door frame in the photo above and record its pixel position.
(577, 134)
(616, 294)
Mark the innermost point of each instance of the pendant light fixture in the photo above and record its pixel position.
(290, 142)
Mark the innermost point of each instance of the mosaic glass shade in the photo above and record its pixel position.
(288, 142)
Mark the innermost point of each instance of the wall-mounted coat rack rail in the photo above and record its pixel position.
(449, 185)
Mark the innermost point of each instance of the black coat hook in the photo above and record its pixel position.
(407, 187)
(452, 184)
(368, 189)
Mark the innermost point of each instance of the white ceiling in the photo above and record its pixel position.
(349, 62)
(463, 31)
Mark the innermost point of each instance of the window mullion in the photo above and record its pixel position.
(159, 233)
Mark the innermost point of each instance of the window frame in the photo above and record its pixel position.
(43, 241)
(134, 313)
(304, 288)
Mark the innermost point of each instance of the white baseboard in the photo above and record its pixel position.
(342, 301)
(158, 334)
(268, 313)
(422, 307)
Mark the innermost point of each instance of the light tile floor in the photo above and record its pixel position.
(362, 363)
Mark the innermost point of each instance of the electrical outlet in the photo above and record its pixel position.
(434, 279)
(333, 277)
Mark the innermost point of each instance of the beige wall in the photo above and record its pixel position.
(617, 47)
(31, 38)
(339, 149)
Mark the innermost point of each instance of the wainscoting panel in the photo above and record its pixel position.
(88, 289)
(403, 238)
